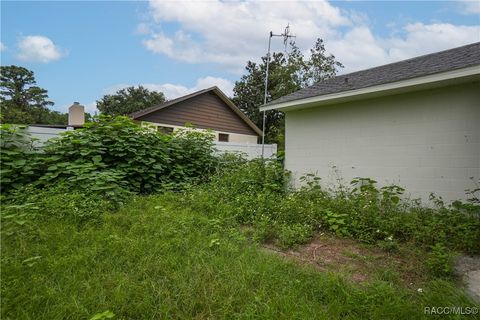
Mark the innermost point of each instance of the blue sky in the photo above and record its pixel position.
(80, 51)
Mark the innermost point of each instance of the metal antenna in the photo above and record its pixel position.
(286, 35)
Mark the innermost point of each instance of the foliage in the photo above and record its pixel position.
(336, 222)
(110, 158)
(25, 208)
(257, 195)
(157, 259)
(22, 102)
(288, 72)
(389, 244)
(440, 261)
(129, 100)
(19, 159)
(103, 315)
(474, 193)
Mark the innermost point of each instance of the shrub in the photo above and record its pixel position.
(440, 261)
(109, 157)
(336, 222)
(19, 161)
(290, 235)
(138, 158)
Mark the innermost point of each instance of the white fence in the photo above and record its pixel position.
(45, 133)
(251, 151)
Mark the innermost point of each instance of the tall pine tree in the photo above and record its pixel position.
(22, 102)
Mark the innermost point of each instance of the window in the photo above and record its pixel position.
(223, 137)
(165, 130)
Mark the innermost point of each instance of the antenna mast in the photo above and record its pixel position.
(286, 36)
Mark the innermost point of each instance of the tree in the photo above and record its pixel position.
(131, 99)
(288, 72)
(22, 102)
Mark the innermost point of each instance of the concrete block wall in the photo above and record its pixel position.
(427, 141)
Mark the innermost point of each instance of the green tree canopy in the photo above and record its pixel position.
(22, 102)
(128, 100)
(288, 72)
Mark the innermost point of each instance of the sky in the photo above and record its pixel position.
(82, 50)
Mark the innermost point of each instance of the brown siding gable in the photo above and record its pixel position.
(206, 109)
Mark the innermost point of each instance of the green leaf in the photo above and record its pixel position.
(20, 162)
(97, 159)
(103, 315)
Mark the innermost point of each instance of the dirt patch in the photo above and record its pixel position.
(360, 263)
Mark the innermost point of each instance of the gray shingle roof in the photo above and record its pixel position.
(457, 58)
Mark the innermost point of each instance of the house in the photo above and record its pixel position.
(415, 123)
(205, 109)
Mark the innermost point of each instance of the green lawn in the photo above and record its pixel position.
(157, 260)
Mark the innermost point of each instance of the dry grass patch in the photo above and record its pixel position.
(359, 262)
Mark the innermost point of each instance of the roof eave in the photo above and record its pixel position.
(418, 83)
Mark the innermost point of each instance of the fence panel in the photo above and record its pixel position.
(251, 151)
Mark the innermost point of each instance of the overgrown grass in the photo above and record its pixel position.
(257, 195)
(157, 259)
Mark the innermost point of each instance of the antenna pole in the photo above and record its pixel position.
(265, 94)
(286, 35)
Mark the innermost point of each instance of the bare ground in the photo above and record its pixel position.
(358, 262)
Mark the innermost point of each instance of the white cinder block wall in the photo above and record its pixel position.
(427, 141)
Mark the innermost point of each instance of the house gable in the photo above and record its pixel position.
(205, 111)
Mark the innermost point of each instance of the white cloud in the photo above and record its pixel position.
(359, 48)
(2, 46)
(424, 38)
(469, 6)
(230, 33)
(38, 49)
(173, 91)
(143, 28)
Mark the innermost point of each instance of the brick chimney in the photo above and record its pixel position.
(76, 115)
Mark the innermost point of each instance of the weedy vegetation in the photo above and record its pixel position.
(116, 221)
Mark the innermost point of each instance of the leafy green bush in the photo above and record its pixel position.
(19, 158)
(124, 154)
(336, 222)
(290, 235)
(440, 261)
(111, 158)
